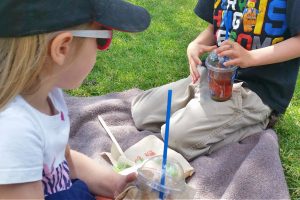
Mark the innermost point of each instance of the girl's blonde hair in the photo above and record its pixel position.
(21, 62)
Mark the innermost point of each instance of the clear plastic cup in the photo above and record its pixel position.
(149, 180)
(220, 77)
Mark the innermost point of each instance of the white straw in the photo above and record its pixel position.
(111, 135)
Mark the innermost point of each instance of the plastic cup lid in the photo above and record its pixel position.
(215, 63)
(150, 174)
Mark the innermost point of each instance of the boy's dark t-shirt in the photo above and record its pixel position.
(256, 24)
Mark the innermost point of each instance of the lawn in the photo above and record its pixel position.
(158, 56)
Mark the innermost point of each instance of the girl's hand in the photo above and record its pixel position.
(239, 56)
(194, 51)
(123, 181)
(120, 182)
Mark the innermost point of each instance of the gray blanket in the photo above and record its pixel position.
(250, 169)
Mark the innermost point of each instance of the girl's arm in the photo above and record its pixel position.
(101, 179)
(33, 190)
(280, 52)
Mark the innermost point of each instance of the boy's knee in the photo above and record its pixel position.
(174, 135)
(136, 115)
(183, 143)
(177, 139)
(142, 118)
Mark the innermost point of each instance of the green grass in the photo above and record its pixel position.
(158, 56)
(288, 130)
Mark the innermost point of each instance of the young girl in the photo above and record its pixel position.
(47, 46)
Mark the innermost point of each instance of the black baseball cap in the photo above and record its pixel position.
(29, 17)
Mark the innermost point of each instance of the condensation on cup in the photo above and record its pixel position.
(220, 77)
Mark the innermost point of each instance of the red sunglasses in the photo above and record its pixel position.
(103, 37)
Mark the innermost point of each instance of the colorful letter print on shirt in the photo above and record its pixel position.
(253, 23)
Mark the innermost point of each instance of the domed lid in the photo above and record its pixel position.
(150, 174)
(215, 63)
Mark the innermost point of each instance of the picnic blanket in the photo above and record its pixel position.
(250, 169)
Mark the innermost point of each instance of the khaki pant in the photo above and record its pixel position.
(198, 124)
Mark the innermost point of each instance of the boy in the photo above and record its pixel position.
(265, 44)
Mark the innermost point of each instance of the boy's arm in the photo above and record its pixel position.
(100, 179)
(280, 52)
(205, 42)
(206, 37)
(33, 190)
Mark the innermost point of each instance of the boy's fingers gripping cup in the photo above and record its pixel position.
(220, 77)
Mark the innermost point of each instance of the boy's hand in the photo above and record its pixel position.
(239, 56)
(194, 51)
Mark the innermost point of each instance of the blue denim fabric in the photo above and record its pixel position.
(78, 191)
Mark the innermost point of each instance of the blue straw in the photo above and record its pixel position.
(166, 140)
(227, 24)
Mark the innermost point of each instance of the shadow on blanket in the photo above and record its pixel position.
(250, 169)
